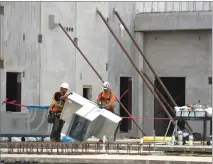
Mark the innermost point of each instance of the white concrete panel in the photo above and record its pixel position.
(179, 54)
(93, 40)
(169, 6)
(21, 26)
(58, 53)
(119, 64)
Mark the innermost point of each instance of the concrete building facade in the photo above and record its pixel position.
(44, 57)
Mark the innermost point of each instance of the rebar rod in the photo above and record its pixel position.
(141, 75)
(147, 62)
(76, 46)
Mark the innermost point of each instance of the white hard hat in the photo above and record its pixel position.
(64, 85)
(105, 85)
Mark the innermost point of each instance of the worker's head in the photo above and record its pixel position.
(106, 86)
(64, 87)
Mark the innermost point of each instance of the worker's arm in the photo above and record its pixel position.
(57, 96)
(98, 98)
(111, 104)
(64, 97)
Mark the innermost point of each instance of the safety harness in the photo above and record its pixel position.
(107, 98)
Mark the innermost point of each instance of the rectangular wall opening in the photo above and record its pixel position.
(176, 87)
(87, 92)
(13, 90)
(126, 100)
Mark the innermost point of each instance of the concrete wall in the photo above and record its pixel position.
(92, 37)
(174, 21)
(179, 54)
(167, 6)
(21, 55)
(55, 60)
(58, 56)
(119, 64)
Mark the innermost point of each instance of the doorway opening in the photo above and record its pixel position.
(126, 100)
(87, 92)
(176, 87)
(13, 90)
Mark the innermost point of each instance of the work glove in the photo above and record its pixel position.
(102, 106)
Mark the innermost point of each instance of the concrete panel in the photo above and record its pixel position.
(139, 37)
(21, 23)
(21, 51)
(119, 64)
(93, 40)
(179, 54)
(173, 21)
(169, 6)
(58, 53)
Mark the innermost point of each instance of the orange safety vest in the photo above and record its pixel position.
(106, 100)
(56, 105)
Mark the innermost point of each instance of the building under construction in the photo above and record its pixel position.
(174, 38)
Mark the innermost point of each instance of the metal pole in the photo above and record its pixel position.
(141, 75)
(158, 92)
(147, 62)
(99, 75)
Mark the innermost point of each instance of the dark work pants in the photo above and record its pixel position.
(55, 134)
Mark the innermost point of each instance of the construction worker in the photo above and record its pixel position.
(107, 97)
(56, 107)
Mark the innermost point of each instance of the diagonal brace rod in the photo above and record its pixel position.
(147, 62)
(141, 75)
(98, 75)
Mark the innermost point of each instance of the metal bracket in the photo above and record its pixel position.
(1, 10)
(40, 38)
(76, 41)
(52, 24)
(1, 62)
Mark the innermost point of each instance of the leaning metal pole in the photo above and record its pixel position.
(147, 62)
(98, 75)
(156, 90)
(141, 75)
(161, 96)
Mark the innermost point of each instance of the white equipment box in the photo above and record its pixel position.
(84, 119)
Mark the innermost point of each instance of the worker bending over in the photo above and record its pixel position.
(106, 98)
(56, 107)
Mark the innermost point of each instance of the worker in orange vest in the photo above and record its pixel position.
(107, 97)
(56, 107)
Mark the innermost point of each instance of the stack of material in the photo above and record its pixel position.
(194, 111)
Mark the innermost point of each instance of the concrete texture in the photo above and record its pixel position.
(106, 159)
(56, 60)
(119, 64)
(21, 55)
(179, 54)
(173, 21)
(172, 6)
(45, 65)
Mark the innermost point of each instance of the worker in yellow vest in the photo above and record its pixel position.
(56, 107)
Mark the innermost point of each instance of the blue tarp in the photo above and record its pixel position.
(66, 138)
(37, 107)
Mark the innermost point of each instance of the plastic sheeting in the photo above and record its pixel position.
(200, 108)
(64, 138)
